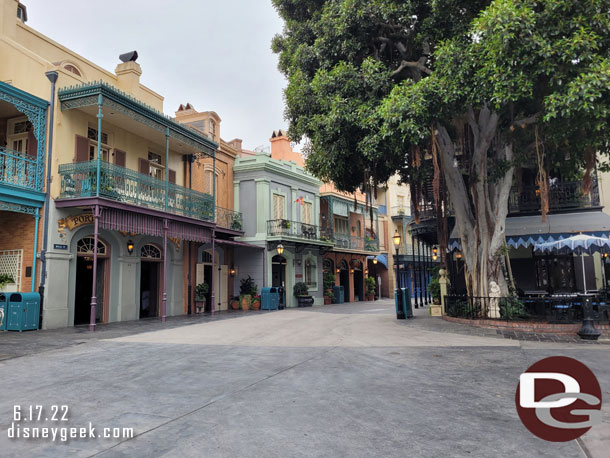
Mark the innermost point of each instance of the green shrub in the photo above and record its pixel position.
(247, 286)
(370, 285)
(300, 289)
(201, 290)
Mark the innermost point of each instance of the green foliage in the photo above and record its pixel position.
(201, 290)
(511, 307)
(6, 279)
(371, 285)
(329, 281)
(300, 289)
(247, 287)
(434, 285)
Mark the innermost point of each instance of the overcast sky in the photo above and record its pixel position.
(214, 54)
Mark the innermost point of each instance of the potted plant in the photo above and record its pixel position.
(236, 224)
(370, 288)
(301, 292)
(285, 224)
(256, 302)
(7, 283)
(329, 282)
(246, 288)
(235, 303)
(434, 285)
(200, 292)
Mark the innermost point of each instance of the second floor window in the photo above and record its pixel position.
(155, 167)
(307, 213)
(212, 129)
(104, 149)
(279, 202)
(341, 225)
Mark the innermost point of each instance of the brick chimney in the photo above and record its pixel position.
(236, 143)
(281, 149)
(128, 76)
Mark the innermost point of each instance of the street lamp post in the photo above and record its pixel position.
(375, 275)
(400, 309)
(280, 251)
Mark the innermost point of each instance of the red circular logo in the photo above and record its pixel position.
(558, 399)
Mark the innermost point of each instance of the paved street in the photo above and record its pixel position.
(338, 381)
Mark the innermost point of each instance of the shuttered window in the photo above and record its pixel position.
(119, 157)
(81, 149)
(307, 213)
(279, 206)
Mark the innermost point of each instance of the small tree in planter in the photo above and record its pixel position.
(301, 292)
(6, 280)
(247, 289)
(329, 282)
(200, 292)
(370, 288)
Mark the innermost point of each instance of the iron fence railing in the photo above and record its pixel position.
(229, 219)
(18, 169)
(296, 229)
(400, 210)
(562, 309)
(124, 185)
(350, 242)
(562, 196)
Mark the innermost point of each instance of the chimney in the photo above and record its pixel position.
(9, 15)
(128, 72)
(236, 144)
(281, 149)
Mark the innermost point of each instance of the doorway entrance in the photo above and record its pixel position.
(84, 280)
(278, 276)
(344, 278)
(150, 280)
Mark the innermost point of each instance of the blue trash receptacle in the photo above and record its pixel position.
(339, 293)
(270, 298)
(3, 311)
(23, 312)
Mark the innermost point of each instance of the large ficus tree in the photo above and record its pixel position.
(379, 86)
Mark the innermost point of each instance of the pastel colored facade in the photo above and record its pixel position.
(281, 206)
(125, 222)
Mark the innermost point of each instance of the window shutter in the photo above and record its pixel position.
(172, 176)
(81, 149)
(119, 157)
(143, 166)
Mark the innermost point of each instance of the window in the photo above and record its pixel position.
(341, 225)
(310, 272)
(150, 252)
(358, 229)
(306, 213)
(18, 134)
(212, 129)
(155, 169)
(209, 182)
(73, 69)
(92, 135)
(86, 244)
(11, 264)
(105, 148)
(279, 206)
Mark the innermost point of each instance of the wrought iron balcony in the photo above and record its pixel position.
(295, 229)
(349, 242)
(79, 180)
(400, 210)
(562, 196)
(19, 169)
(229, 219)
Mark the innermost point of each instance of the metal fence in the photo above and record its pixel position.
(297, 229)
(18, 169)
(566, 309)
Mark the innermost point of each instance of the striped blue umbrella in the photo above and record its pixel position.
(578, 244)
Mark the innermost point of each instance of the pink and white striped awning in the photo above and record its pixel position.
(114, 219)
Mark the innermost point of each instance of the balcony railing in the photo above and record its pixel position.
(400, 210)
(124, 185)
(562, 196)
(229, 219)
(296, 229)
(349, 242)
(18, 169)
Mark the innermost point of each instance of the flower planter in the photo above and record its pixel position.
(304, 301)
(199, 304)
(256, 305)
(246, 301)
(235, 304)
(327, 300)
(370, 297)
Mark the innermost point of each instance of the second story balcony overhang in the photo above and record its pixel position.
(352, 244)
(297, 232)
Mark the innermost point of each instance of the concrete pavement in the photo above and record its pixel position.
(345, 381)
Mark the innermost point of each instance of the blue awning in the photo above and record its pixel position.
(382, 258)
(525, 231)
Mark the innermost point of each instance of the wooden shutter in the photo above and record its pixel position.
(143, 166)
(81, 149)
(307, 212)
(119, 157)
(172, 176)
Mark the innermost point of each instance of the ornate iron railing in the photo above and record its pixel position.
(562, 196)
(566, 309)
(350, 242)
(400, 210)
(125, 185)
(18, 169)
(296, 229)
(229, 219)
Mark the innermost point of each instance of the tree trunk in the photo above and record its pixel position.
(481, 208)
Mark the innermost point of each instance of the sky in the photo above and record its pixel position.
(216, 55)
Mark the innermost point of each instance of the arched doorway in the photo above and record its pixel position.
(344, 278)
(150, 276)
(358, 280)
(278, 276)
(84, 280)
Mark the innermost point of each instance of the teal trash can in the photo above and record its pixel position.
(270, 299)
(23, 312)
(339, 293)
(3, 311)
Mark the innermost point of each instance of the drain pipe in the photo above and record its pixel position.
(52, 76)
(189, 309)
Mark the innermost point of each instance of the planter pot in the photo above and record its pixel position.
(199, 305)
(235, 305)
(246, 301)
(9, 288)
(370, 297)
(326, 300)
(304, 301)
(256, 305)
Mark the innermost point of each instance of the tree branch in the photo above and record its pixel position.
(410, 64)
(525, 121)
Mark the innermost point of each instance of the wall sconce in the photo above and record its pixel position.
(375, 260)
(338, 270)
(232, 271)
(458, 255)
(366, 271)
(351, 271)
(280, 249)
(130, 247)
